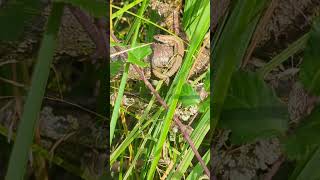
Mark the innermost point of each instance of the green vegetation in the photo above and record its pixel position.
(245, 104)
(144, 145)
(17, 14)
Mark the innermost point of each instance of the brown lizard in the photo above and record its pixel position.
(301, 102)
(164, 62)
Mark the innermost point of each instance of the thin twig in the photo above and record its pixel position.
(66, 102)
(14, 83)
(130, 49)
(58, 142)
(8, 62)
(95, 31)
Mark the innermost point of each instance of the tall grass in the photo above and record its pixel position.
(149, 136)
(23, 145)
(21, 148)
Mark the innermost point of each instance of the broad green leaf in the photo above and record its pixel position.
(207, 81)
(308, 168)
(136, 55)
(230, 49)
(97, 8)
(14, 16)
(189, 96)
(310, 67)
(305, 138)
(249, 124)
(204, 105)
(115, 67)
(252, 110)
(248, 90)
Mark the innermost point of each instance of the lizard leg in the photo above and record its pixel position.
(176, 65)
(160, 75)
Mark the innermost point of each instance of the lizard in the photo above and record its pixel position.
(167, 56)
(301, 102)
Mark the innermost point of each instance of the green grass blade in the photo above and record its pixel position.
(146, 21)
(19, 155)
(134, 132)
(115, 112)
(231, 48)
(178, 82)
(137, 21)
(285, 54)
(125, 8)
(140, 150)
(310, 167)
(197, 170)
(197, 137)
(309, 73)
(59, 161)
(116, 108)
